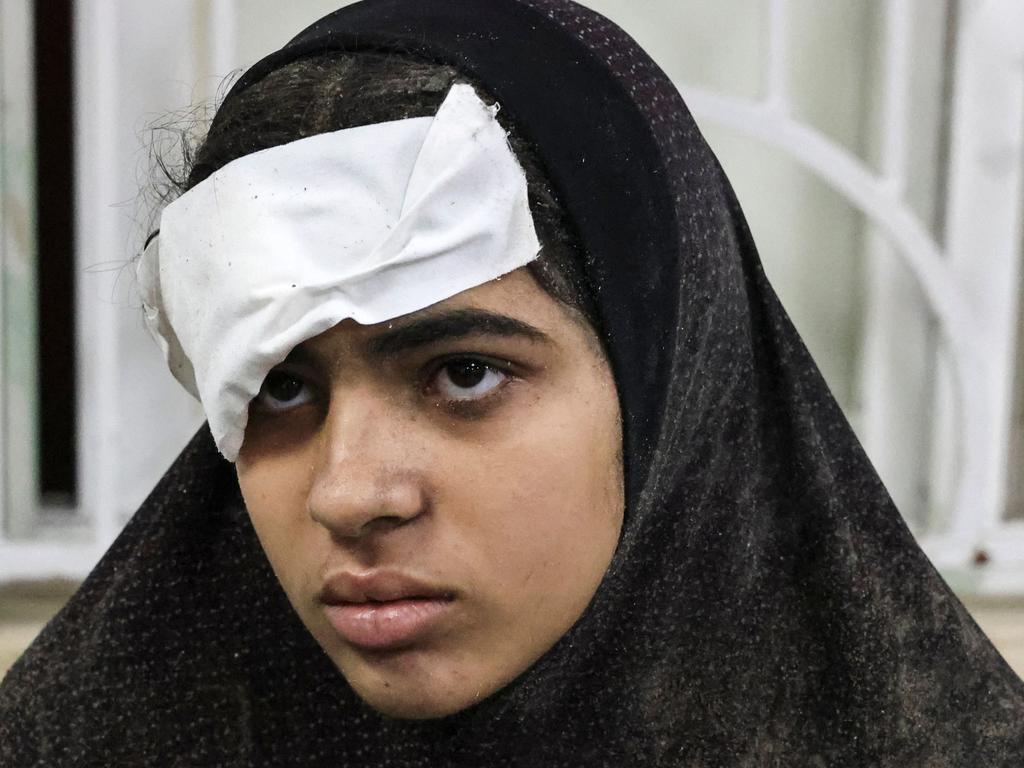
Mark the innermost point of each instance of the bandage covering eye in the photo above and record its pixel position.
(368, 223)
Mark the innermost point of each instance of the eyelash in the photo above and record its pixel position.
(465, 406)
(260, 402)
(469, 405)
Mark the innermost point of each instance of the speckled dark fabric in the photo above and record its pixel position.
(766, 605)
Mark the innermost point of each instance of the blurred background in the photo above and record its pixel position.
(876, 147)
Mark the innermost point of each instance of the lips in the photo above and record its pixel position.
(384, 610)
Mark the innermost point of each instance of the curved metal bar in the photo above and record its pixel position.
(879, 200)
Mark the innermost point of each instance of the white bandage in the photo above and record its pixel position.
(367, 223)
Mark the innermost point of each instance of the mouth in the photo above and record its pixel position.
(384, 610)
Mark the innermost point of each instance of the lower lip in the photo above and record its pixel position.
(387, 625)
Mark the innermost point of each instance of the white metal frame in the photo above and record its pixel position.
(971, 283)
(70, 548)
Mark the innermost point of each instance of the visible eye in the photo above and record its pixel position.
(467, 378)
(283, 390)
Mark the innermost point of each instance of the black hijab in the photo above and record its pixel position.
(766, 605)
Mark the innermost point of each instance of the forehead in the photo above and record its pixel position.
(512, 307)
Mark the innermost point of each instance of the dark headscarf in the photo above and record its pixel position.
(766, 605)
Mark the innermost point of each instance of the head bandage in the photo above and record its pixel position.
(367, 223)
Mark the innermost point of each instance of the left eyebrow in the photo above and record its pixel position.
(455, 324)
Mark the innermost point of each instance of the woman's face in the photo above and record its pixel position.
(441, 494)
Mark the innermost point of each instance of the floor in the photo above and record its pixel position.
(25, 608)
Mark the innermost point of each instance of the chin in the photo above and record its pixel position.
(412, 685)
(410, 702)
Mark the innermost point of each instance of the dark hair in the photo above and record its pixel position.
(333, 90)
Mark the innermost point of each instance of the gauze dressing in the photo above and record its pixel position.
(367, 223)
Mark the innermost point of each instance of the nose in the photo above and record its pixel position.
(366, 480)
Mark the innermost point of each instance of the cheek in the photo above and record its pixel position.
(546, 499)
(569, 448)
(275, 490)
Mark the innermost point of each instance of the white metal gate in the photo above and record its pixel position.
(971, 282)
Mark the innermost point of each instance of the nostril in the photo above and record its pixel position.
(350, 514)
(385, 523)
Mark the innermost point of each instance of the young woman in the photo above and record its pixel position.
(513, 456)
